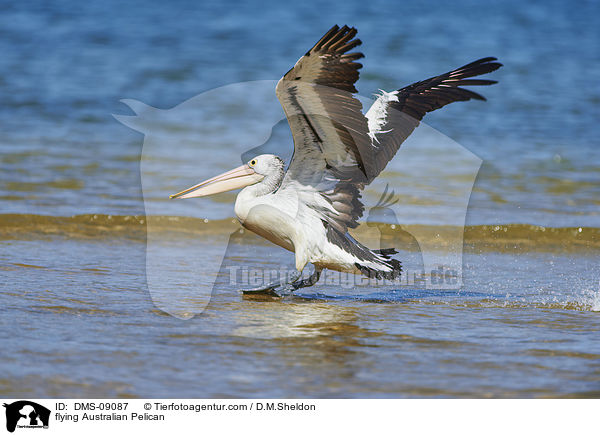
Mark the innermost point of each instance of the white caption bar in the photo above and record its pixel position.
(277, 416)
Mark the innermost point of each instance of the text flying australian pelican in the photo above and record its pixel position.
(337, 152)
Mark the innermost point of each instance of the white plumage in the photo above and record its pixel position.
(337, 151)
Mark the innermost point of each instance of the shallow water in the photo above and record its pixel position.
(78, 315)
(83, 324)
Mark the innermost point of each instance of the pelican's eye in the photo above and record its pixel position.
(253, 162)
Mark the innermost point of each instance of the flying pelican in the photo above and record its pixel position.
(337, 152)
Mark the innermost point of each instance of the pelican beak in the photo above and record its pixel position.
(230, 180)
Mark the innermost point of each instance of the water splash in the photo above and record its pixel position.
(592, 299)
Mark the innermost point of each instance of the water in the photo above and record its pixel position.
(77, 316)
(82, 324)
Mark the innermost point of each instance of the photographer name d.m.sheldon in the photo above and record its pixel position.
(283, 406)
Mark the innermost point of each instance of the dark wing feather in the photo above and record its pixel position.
(331, 141)
(395, 115)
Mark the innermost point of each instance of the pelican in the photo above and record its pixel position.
(309, 208)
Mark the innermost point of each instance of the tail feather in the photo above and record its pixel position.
(394, 265)
(372, 263)
(387, 252)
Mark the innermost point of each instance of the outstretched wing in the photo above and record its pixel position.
(331, 141)
(337, 150)
(394, 115)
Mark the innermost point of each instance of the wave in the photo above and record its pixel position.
(509, 237)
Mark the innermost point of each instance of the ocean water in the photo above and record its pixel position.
(84, 204)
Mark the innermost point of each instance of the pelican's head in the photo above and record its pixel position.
(257, 169)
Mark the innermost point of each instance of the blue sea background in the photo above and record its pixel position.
(66, 65)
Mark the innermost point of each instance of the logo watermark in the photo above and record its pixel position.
(249, 277)
(422, 200)
(25, 414)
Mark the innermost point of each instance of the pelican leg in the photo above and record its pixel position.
(310, 281)
(275, 288)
